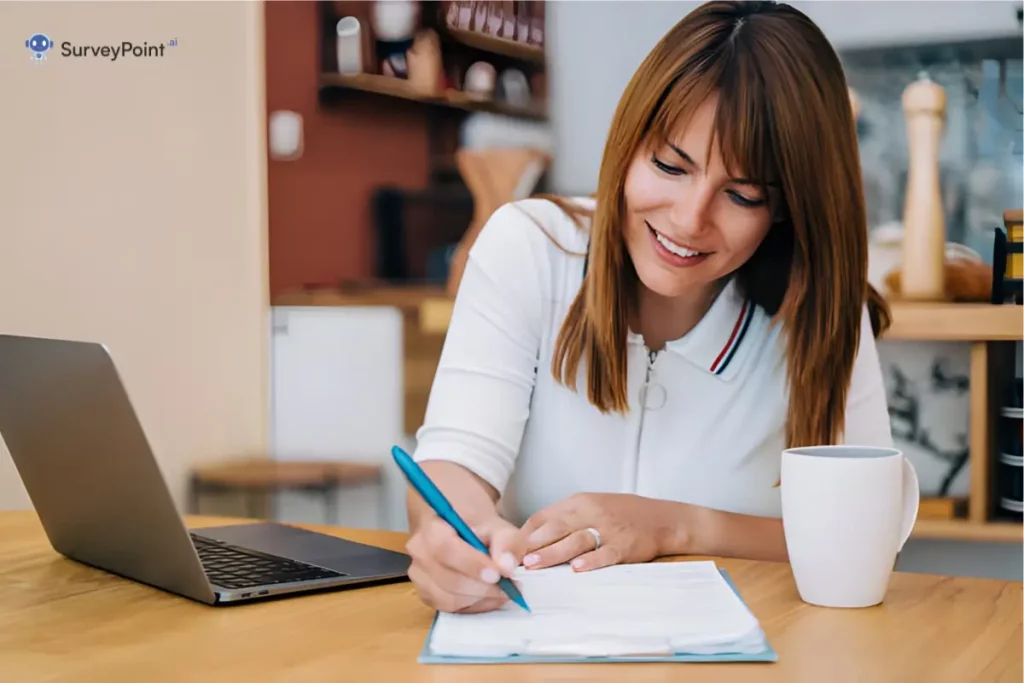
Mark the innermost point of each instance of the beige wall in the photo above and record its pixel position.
(132, 213)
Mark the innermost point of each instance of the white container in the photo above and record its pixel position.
(350, 46)
(394, 20)
(285, 138)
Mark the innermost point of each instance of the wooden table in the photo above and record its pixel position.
(60, 621)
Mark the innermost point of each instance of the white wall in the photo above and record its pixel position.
(132, 213)
(594, 49)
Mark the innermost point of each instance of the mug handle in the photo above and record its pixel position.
(911, 501)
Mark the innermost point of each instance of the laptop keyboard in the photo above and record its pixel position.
(233, 567)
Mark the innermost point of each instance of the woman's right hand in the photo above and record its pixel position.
(452, 576)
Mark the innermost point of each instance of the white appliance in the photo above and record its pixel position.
(337, 394)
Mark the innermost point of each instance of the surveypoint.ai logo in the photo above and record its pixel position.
(39, 43)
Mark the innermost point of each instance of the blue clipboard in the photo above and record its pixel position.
(767, 655)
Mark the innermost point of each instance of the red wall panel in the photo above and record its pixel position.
(320, 229)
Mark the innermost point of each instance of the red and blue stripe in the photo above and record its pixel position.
(739, 330)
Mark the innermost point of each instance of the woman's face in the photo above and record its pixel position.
(688, 221)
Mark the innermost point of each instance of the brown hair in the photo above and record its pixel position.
(783, 114)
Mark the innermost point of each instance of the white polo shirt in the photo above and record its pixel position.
(712, 427)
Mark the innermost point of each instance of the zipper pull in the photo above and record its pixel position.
(645, 391)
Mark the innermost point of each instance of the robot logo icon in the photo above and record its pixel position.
(39, 43)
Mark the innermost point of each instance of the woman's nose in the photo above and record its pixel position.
(690, 212)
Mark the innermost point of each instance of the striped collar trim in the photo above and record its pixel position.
(739, 331)
(716, 343)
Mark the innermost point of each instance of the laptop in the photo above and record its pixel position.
(91, 475)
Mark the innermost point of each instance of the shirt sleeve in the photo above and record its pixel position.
(867, 410)
(480, 398)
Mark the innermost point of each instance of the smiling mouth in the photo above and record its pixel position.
(677, 249)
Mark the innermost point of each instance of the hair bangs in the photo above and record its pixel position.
(742, 120)
(680, 100)
(743, 129)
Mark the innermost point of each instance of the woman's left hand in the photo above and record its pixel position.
(631, 529)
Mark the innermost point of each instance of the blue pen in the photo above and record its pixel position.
(436, 500)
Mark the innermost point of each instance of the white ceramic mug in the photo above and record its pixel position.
(846, 512)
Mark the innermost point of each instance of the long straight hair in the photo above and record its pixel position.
(783, 113)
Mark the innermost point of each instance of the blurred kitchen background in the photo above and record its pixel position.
(266, 224)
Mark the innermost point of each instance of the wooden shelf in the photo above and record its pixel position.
(955, 322)
(410, 297)
(983, 326)
(390, 86)
(964, 530)
(498, 46)
(911, 321)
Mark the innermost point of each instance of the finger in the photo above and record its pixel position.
(485, 605)
(508, 545)
(457, 583)
(559, 510)
(605, 556)
(551, 532)
(433, 590)
(443, 546)
(431, 594)
(573, 545)
(535, 522)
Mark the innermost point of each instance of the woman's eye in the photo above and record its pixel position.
(745, 202)
(665, 168)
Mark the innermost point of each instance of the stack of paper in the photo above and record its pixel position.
(638, 610)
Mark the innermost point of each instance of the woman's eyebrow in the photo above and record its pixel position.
(686, 157)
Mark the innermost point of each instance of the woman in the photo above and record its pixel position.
(620, 375)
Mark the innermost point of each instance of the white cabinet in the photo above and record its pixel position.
(336, 381)
(336, 394)
(852, 24)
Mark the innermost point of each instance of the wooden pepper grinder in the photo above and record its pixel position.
(924, 231)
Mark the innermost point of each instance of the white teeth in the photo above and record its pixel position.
(673, 247)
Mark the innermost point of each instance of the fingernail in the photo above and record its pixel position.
(508, 562)
(489, 576)
(577, 563)
(531, 560)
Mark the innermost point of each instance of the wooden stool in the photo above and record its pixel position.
(261, 476)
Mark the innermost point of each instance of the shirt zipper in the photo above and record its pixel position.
(634, 465)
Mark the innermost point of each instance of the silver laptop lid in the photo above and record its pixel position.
(87, 465)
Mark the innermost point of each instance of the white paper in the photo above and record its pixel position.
(658, 608)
